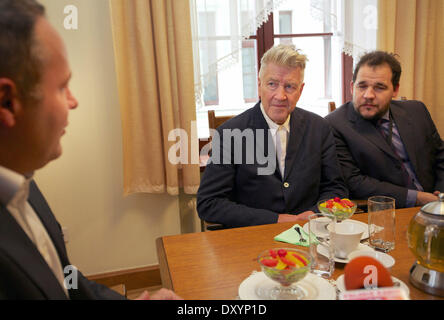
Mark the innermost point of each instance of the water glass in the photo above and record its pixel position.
(381, 223)
(321, 245)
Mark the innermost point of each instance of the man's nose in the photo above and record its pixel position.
(280, 93)
(73, 103)
(369, 93)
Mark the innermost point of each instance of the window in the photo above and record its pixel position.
(294, 24)
(249, 72)
(208, 51)
(230, 65)
(285, 25)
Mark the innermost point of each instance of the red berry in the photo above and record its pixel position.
(273, 253)
(337, 199)
(269, 262)
(282, 253)
(349, 203)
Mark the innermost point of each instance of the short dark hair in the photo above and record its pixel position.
(19, 60)
(377, 58)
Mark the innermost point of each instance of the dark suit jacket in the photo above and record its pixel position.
(370, 166)
(24, 274)
(235, 195)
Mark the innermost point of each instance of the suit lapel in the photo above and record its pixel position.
(366, 129)
(405, 129)
(297, 129)
(42, 209)
(15, 244)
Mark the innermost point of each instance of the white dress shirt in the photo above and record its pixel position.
(280, 134)
(14, 192)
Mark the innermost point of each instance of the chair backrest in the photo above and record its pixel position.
(214, 122)
(331, 106)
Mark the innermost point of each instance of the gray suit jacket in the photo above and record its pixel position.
(370, 166)
(234, 195)
(24, 273)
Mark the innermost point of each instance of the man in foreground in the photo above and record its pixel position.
(34, 104)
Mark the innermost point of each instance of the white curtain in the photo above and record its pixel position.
(241, 20)
(354, 23)
(224, 24)
(359, 26)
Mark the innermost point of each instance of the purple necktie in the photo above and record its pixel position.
(391, 134)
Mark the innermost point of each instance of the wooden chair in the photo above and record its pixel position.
(331, 106)
(119, 288)
(214, 122)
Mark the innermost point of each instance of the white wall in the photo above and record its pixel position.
(107, 232)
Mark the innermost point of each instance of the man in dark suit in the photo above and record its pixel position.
(273, 162)
(34, 104)
(387, 147)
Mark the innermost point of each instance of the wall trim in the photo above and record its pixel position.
(132, 278)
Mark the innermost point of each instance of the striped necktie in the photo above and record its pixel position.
(386, 128)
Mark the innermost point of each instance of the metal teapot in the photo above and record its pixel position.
(426, 240)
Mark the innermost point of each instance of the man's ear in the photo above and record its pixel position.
(395, 91)
(9, 104)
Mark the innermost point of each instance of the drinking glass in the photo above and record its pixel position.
(334, 207)
(381, 223)
(322, 250)
(286, 266)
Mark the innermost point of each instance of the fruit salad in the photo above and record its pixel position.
(285, 265)
(341, 208)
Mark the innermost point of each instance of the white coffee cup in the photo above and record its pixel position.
(345, 236)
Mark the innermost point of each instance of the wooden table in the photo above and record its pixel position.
(212, 265)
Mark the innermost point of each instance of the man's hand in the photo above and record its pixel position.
(423, 198)
(162, 294)
(284, 217)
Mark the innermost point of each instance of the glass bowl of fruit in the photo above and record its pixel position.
(286, 266)
(340, 208)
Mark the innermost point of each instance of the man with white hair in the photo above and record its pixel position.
(288, 161)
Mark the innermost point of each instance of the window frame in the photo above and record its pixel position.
(265, 40)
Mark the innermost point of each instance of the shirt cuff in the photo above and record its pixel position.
(411, 198)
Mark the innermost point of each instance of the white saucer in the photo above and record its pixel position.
(258, 286)
(340, 284)
(327, 221)
(361, 247)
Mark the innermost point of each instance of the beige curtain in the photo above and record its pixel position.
(414, 29)
(154, 65)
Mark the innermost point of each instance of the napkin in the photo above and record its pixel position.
(293, 237)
